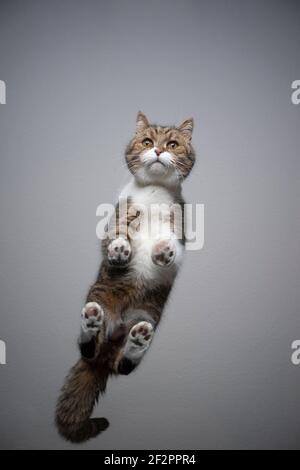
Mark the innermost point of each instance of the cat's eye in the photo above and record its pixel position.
(147, 143)
(172, 144)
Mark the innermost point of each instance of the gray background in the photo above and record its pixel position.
(219, 373)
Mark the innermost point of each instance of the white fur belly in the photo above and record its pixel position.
(142, 263)
(155, 226)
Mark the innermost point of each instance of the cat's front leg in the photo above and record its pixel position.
(165, 252)
(117, 246)
(119, 252)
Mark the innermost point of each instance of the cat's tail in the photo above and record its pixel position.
(76, 402)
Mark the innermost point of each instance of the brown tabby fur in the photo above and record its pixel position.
(116, 290)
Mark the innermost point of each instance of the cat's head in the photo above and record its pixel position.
(161, 155)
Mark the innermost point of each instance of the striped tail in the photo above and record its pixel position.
(76, 402)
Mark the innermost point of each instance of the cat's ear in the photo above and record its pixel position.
(141, 122)
(187, 128)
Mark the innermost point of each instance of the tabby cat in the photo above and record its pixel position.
(140, 263)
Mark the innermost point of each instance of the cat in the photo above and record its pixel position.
(139, 266)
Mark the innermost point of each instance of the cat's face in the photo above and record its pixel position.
(160, 154)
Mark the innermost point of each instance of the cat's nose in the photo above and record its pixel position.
(158, 152)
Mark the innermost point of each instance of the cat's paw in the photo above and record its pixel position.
(138, 341)
(119, 252)
(141, 334)
(164, 252)
(92, 318)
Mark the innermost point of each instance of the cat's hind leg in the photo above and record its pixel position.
(138, 342)
(92, 324)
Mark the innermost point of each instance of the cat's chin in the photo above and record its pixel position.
(157, 168)
(158, 175)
